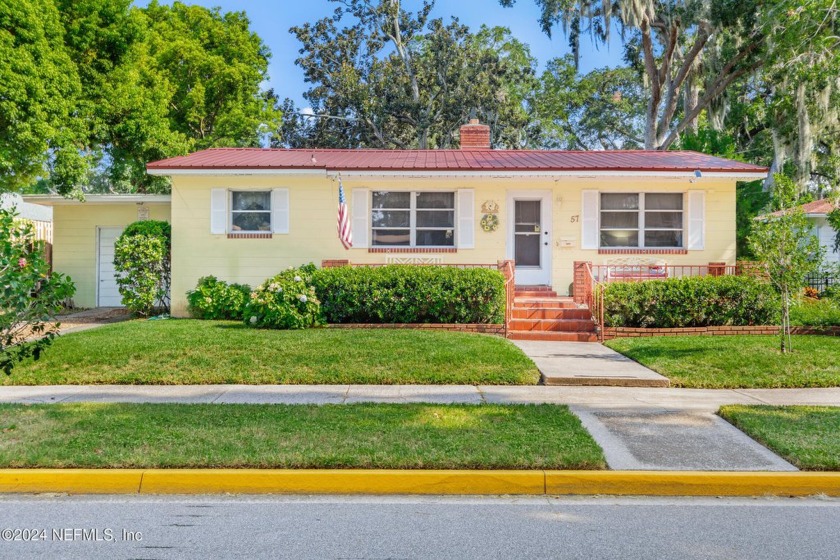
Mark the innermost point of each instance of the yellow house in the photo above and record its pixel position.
(244, 214)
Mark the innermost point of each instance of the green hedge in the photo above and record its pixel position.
(216, 299)
(410, 294)
(700, 301)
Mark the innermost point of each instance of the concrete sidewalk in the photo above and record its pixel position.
(587, 363)
(708, 400)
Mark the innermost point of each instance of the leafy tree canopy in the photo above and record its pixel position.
(118, 86)
(385, 77)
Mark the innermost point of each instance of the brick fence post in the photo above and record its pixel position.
(717, 268)
(582, 282)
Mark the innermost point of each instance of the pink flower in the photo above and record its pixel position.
(22, 262)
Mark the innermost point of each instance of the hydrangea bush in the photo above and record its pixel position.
(217, 300)
(286, 301)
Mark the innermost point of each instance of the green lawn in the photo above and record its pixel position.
(176, 352)
(737, 361)
(405, 436)
(807, 436)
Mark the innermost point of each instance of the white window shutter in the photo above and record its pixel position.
(218, 211)
(360, 215)
(466, 218)
(280, 210)
(696, 220)
(589, 220)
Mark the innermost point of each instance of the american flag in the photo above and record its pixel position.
(344, 233)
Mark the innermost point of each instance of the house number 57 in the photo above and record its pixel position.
(575, 218)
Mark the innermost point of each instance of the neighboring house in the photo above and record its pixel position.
(34, 212)
(39, 216)
(244, 214)
(817, 214)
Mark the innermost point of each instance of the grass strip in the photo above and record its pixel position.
(733, 362)
(807, 436)
(395, 436)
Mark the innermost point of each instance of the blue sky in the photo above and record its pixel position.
(271, 20)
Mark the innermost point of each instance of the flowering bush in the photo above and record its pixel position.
(286, 301)
(215, 299)
(29, 295)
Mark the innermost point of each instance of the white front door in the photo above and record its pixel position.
(107, 294)
(529, 238)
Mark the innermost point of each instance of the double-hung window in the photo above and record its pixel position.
(412, 219)
(250, 211)
(643, 220)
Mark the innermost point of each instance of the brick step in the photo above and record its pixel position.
(535, 294)
(556, 325)
(553, 336)
(533, 287)
(544, 303)
(551, 313)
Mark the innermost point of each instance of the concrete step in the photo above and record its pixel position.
(551, 313)
(553, 336)
(555, 325)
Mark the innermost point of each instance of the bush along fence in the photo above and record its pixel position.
(466, 298)
(717, 300)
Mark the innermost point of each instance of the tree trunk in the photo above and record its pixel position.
(785, 321)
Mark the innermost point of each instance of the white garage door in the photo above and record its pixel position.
(108, 294)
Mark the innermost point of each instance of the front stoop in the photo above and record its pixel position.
(539, 314)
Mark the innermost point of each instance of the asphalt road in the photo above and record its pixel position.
(410, 527)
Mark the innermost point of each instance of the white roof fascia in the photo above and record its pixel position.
(58, 200)
(501, 173)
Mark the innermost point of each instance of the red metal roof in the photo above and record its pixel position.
(453, 160)
(818, 207)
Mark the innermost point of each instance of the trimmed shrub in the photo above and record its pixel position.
(286, 301)
(700, 301)
(410, 294)
(816, 312)
(216, 299)
(832, 292)
(142, 261)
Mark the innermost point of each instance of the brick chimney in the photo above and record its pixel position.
(475, 136)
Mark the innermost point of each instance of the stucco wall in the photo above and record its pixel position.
(74, 240)
(312, 231)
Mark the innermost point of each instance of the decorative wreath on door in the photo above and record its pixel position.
(490, 222)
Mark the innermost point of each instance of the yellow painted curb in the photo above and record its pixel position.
(72, 481)
(264, 481)
(692, 483)
(256, 481)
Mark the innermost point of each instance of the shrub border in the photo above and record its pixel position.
(635, 332)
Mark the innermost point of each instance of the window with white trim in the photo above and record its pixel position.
(412, 219)
(250, 211)
(642, 220)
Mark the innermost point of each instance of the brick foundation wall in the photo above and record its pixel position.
(634, 332)
(457, 327)
(334, 263)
